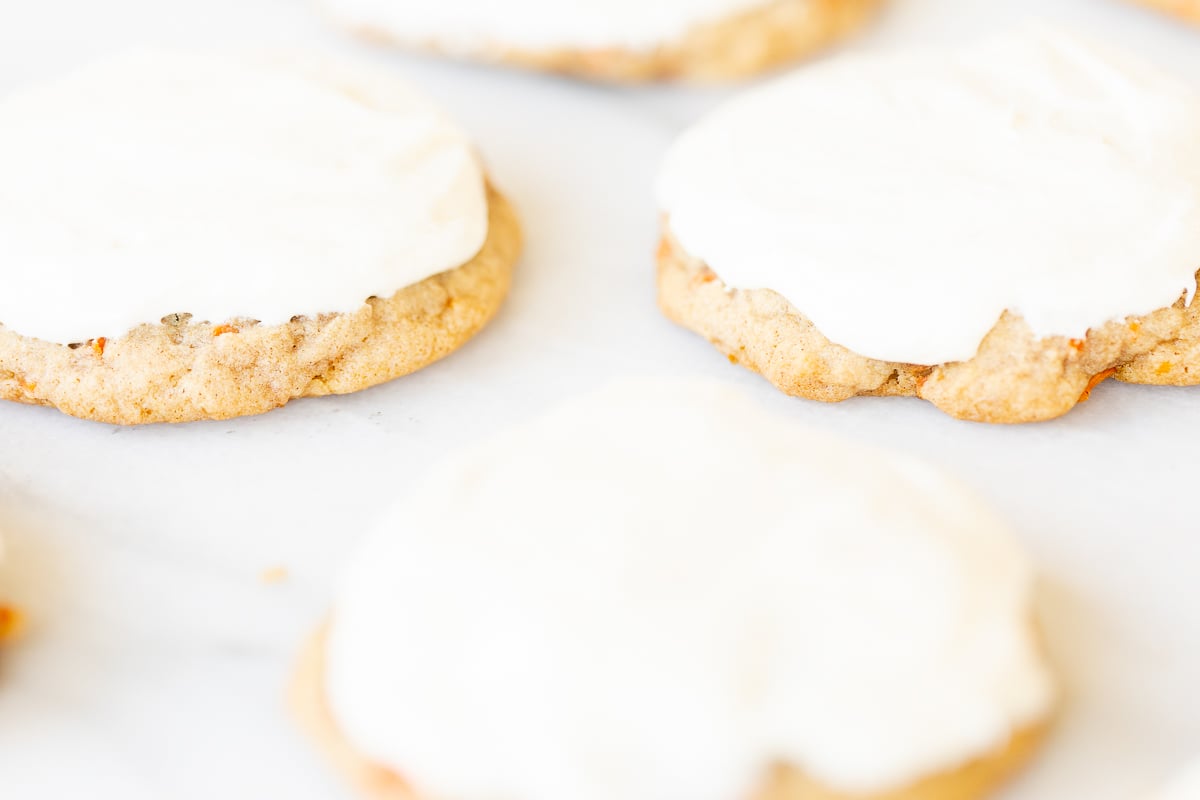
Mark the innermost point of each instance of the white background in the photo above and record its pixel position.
(156, 658)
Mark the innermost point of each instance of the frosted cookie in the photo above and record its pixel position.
(994, 230)
(1185, 786)
(660, 592)
(612, 39)
(188, 236)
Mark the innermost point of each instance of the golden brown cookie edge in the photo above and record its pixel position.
(972, 781)
(1015, 377)
(180, 371)
(749, 43)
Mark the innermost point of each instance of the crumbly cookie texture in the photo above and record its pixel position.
(752, 42)
(183, 370)
(1014, 377)
(1188, 9)
(971, 781)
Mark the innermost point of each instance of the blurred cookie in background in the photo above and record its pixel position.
(660, 591)
(618, 40)
(1185, 9)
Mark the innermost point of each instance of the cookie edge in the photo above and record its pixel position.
(972, 781)
(1000, 384)
(343, 352)
(780, 31)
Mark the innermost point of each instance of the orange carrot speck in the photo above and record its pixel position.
(12, 622)
(1096, 380)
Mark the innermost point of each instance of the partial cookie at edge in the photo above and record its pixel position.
(752, 42)
(1015, 376)
(182, 370)
(1187, 9)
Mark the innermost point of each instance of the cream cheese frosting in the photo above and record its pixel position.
(1185, 786)
(537, 25)
(659, 591)
(224, 186)
(902, 202)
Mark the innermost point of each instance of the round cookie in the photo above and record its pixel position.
(662, 591)
(621, 40)
(187, 236)
(1029, 226)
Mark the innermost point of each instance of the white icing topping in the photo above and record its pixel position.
(660, 590)
(1185, 786)
(490, 26)
(904, 202)
(252, 186)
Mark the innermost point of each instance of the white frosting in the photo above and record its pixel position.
(1185, 786)
(491, 26)
(224, 186)
(660, 590)
(904, 202)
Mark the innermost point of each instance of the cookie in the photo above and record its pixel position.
(186, 236)
(661, 591)
(613, 41)
(1029, 226)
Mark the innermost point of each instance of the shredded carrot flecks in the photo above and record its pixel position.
(222, 329)
(1077, 343)
(98, 345)
(1135, 327)
(1096, 380)
(12, 622)
(1164, 368)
